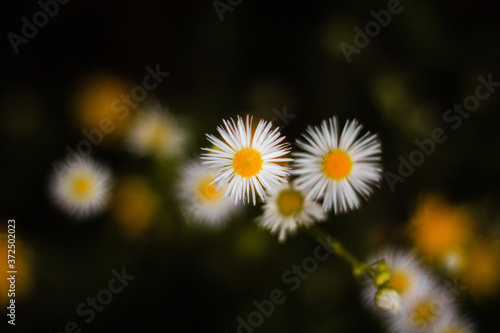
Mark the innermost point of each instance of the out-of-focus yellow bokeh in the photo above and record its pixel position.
(100, 96)
(134, 205)
(23, 280)
(481, 273)
(438, 227)
(450, 238)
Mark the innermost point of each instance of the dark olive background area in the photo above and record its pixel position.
(262, 56)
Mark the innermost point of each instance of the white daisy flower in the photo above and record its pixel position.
(154, 132)
(407, 274)
(81, 187)
(338, 169)
(285, 210)
(201, 202)
(247, 160)
(423, 311)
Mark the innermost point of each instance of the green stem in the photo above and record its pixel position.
(359, 268)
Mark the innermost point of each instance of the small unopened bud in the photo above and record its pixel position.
(382, 274)
(387, 299)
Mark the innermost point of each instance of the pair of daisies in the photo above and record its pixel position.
(410, 299)
(80, 186)
(247, 162)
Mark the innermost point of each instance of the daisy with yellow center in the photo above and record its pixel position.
(247, 161)
(423, 310)
(287, 209)
(154, 132)
(338, 168)
(409, 299)
(406, 275)
(81, 187)
(424, 314)
(202, 204)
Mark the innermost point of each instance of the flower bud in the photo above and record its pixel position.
(382, 274)
(387, 299)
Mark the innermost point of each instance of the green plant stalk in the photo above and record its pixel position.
(359, 268)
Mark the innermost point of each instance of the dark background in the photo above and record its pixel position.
(262, 56)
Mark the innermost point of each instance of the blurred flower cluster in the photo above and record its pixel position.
(456, 241)
(333, 169)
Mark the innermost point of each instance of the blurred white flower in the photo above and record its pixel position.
(201, 203)
(154, 132)
(406, 275)
(81, 187)
(423, 311)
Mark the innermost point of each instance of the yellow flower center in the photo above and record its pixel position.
(290, 202)
(247, 162)
(423, 314)
(159, 136)
(337, 165)
(399, 281)
(83, 186)
(208, 192)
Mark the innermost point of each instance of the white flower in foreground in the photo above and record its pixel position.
(422, 312)
(285, 210)
(338, 167)
(406, 277)
(155, 132)
(247, 160)
(81, 187)
(423, 304)
(201, 202)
